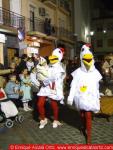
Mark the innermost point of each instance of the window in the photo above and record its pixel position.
(99, 29)
(110, 27)
(110, 42)
(42, 11)
(32, 18)
(99, 43)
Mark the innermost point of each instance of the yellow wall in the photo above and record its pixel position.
(1, 53)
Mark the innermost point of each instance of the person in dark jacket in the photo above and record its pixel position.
(22, 64)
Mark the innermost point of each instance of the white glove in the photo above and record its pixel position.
(62, 102)
(69, 102)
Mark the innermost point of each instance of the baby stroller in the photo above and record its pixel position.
(8, 111)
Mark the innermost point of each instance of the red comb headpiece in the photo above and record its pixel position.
(62, 49)
(88, 45)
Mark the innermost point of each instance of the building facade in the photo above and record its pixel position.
(102, 27)
(82, 18)
(48, 23)
(10, 21)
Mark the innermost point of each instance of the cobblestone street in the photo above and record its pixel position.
(28, 132)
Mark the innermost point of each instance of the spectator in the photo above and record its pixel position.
(26, 89)
(30, 64)
(22, 65)
(2, 78)
(12, 90)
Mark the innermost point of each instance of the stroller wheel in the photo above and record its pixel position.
(19, 118)
(9, 123)
(1, 118)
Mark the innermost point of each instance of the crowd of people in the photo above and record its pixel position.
(30, 80)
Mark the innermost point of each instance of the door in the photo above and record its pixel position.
(10, 54)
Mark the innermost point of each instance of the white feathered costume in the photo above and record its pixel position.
(53, 88)
(85, 90)
(85, 84)
(54, 73)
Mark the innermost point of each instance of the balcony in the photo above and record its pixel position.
(50, 3)
(11, 19)
(66, 35)
(40, 26)
(64, 6)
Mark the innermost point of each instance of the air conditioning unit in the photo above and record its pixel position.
(42, 11)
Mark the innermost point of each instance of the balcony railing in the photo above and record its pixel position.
(64, 4)
(39, 25)
(11, 19)
(64, 33)
(53, 1)
(51, 30)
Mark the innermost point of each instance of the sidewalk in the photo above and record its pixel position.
(29, 133)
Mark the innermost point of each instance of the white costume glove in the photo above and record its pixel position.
(69, 101)
(62, 102)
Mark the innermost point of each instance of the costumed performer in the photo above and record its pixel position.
(53, 88)
(84, 90)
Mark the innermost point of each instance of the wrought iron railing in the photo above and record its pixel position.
(64, 33)
(39, 25)
(9, 18)
(64, 4)
(53, 1)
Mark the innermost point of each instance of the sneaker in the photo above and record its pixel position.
(56, 124)
(43, 123)
(25, 109)
(29, 109)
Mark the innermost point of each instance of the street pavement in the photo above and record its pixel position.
(29, 133)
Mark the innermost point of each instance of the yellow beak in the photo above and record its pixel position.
(53, 59)
(87, 59)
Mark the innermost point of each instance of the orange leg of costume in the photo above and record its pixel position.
(54, 106)
(86, 117)
(41, 107)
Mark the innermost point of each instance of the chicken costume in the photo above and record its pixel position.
(53, 87)
(84, 90)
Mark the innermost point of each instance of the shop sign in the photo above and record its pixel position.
(37, 44)
(32, 50)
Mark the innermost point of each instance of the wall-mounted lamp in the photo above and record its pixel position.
(104, 31)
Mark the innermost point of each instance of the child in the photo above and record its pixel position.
(29, 64)
(26, 89)
(12, 90)
(42, 70)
